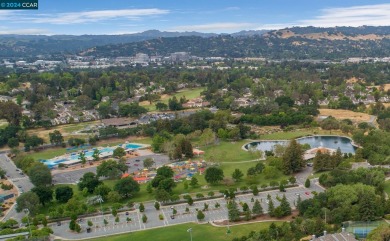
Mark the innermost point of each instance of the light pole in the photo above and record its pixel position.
(27, 212)
(100, 200)
(190, 231)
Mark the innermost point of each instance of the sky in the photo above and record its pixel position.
(78, 17)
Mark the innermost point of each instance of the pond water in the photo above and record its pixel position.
(334, 142)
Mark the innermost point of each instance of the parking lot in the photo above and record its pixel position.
(212, 214)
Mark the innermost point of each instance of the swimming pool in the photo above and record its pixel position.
(132, 146)
(75, 157)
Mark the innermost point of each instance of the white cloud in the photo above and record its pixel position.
(375, 15)
(90, 16)
(214, 27)
(355, 16)
(28, 31)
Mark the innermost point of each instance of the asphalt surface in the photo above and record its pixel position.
(136, 224)
(71, 177)
(22, 182)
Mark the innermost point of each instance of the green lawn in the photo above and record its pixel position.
(187, 93)
(199, 232)
(48, 153)
(227, 152)
(285, 135)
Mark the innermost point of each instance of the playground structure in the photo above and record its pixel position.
(187, 169)
(183, 169)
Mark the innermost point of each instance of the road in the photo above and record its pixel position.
(212, 214)
(22, 182)
(71, 177)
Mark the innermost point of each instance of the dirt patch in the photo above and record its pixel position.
(345, 114)
(385, 87)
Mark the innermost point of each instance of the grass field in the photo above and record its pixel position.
(286, 135)
(199, 232)
(227, 152)
(66, 130)
(346, 114)
(187, 93)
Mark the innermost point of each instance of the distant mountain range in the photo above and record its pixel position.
(30, 45)
(289, 43)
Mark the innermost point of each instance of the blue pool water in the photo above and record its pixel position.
(132, 146)
(333, 142)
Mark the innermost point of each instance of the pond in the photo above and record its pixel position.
(333, 142)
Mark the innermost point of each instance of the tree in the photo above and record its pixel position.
(63, 194)
(161, 106)
(11, 112)
(158, 143)
(255, 190)
(174, 104)
(200, 215)
(307, 183)
(233, 212)
(95, 155)
(237, 175)
(194, 182)
(32, 141)
(162, 195)
(213, 175)
(285, 206)
(111, 169)
(82, 158)
(165, 171)
(90, 223)
(257, 208)
(45, 194)
(29, 200)
(56, 138)
(245, 207)
(127, 187)
(13, 142)
(84, 102)
(141, 207)
(102, 190)
(271, 207)
(90, 181)
(382, 233)
(148, 162)
(293, 158)
(190, 201)
(281, 188)
(144, 218)
(40, 175)
(114, 196)
(119, 152)
(157, 205)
